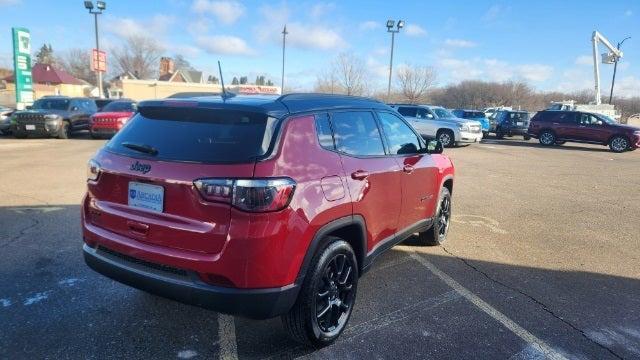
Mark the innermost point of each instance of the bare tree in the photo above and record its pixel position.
(351, 74)
(327, 82)
(415, 81)
(77, 62)
(138, 55)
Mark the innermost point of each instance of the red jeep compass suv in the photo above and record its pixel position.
(552, 127)
(262, 206)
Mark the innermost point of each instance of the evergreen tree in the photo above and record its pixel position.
(235, 81)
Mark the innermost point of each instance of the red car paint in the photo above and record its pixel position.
(236, 249)
(108, 122)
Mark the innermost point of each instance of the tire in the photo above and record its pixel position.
(93, 135)
(619, 144)
(446, 138)
(526, 137)
(437, 234)
(65, 130)
(19, 134)
(332, 277)
(547, 138)
(499, 134)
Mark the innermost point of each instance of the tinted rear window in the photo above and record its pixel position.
(197, 135)
(128, 106)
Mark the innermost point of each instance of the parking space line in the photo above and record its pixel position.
(227, 337)
(522, 333)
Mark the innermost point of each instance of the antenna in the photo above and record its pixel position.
(224, 92)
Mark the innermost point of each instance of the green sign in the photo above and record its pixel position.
(22, 66)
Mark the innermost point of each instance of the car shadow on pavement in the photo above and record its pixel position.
(57, 307)
(523, 143)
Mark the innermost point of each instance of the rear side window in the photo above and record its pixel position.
(561, 117)
(196, 135)
(323, 128)
(356, 133)
(402, 140)
(408, 111)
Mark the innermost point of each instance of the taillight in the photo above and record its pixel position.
(253, 195)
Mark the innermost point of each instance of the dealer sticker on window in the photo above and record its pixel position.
(146, 196)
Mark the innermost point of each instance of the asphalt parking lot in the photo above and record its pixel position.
(542, 261)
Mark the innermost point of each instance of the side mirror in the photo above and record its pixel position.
(434, 147)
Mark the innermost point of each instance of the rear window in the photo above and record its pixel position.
(51, 104)
(196, 135)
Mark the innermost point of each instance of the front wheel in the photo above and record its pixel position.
(65, 130)
(619, 144)
(446, 138)
(527, 137)
(327, 297)
(437, 234)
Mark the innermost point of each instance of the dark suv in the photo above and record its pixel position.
(509, 123)
(55, 116)
(262, 206)
(555, 127)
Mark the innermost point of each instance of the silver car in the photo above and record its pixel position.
(5, 119)
(439, 123)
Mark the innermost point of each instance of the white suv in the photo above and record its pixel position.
(438, 122)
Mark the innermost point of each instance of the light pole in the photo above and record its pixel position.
(615, 68)
(390, 25)
(100, 7)
(284, 42)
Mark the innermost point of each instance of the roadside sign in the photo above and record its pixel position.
(22, 67)
(98, 60)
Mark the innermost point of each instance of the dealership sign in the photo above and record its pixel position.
(98, 60)
(22, 66)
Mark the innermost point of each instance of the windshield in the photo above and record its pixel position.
(442, 113)
(51, 104)
(120, 106)
(196, 135)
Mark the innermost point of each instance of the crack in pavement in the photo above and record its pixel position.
(538, 302)
(25, 196)
(22, 232)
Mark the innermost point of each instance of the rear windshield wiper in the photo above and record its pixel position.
(147, 149)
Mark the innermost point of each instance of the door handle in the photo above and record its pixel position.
(137, 227)
(408, 169)
(359, 175)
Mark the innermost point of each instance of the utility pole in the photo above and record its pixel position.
(615, 68)
(390, 25)
(284, 43)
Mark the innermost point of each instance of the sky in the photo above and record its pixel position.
(546, 43)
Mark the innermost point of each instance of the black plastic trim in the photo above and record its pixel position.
(251, 303)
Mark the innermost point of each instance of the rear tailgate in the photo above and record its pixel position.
(185, 221)
(149, 196)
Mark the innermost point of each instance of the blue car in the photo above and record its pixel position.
(474, 115)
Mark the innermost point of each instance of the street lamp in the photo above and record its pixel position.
(615, 68)
(100, 7)
(284, 39)
(390, 28)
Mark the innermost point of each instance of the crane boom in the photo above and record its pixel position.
(615, 54)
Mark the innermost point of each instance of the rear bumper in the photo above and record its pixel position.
(187, 288)
(98, 130)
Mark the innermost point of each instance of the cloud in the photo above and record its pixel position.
(9, 2)
(534, 72)
(628, 86)
(415, 30)
(493, 13)
(226, 11)
(314, 37)
(224, 45)
(321, 9)
(494, 70)
(125, 27)
(628, 13)
(459, 43)
(584, 60)
(369, 25)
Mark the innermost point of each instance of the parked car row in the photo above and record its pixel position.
(62, 116)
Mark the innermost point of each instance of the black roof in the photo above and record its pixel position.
(273, 105)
